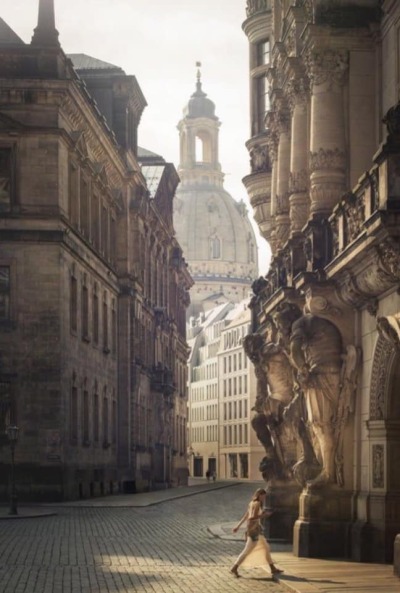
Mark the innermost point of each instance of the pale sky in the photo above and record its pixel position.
(159, 41)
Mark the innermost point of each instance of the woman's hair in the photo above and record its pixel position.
(258, 493)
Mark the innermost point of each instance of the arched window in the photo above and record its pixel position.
(250, 251)
(215, 247)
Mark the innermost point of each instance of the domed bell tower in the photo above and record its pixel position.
(198, 132)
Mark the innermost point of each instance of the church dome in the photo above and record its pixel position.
(199, 105)
(213, 229)
(215, 234)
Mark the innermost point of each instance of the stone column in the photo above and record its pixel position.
(282, 177)
(299, 203)
(327, 70)
(272, 151)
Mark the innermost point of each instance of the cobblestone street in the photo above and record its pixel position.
(164, 548)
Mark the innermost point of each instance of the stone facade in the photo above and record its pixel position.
(222, 392)
(94, 287)
(326, 192)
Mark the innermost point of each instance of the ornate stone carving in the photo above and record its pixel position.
(333, 160)
(389, 256)
(308, 7)
(327, 67)
(290, 41)
(254, 6)
(354, 213)
(259, 160)
(378, 466)
(389, 328)
(383, 355)
(298, 181)
(283, 121)
(275, 392)
(297, 91)
(327, 378)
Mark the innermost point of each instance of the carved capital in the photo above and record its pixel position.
(283, 121)
(297, 91)
(327, 67)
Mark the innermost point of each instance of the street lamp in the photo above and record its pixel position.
(12, 434)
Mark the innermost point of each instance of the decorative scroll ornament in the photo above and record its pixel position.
(327, 66)
(331, 159)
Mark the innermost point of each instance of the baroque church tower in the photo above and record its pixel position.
(213, 229)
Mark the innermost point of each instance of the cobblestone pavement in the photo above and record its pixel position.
(165, 548)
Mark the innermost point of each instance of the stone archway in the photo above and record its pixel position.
(384, 450)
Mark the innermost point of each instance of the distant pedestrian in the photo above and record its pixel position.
(257, 550)
(208, 474)
(214, 476)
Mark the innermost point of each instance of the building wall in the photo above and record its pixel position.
(324, 183)
(94, 291)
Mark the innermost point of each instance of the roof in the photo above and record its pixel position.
(8, 36)
(153, 174)
(143, 153)
(85, 62)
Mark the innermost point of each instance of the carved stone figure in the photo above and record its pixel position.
(316, 351)
(279, 420)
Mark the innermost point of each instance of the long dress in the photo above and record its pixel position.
(257, 550)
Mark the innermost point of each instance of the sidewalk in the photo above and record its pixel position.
(310, 575)
(142, 499)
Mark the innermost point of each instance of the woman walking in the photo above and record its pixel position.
(256, 551)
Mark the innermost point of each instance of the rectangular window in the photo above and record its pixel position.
(85, 419)
(263, 51)
(96, 418)
(114, 422)
(105, 422)
(4, 293)
(73, 194)
(105, 323)
(6, 179)
(74, 305)
(104, 231)
(84, 207)
(113, 239)
(95, 314)
(85, 313)
(262, 101)
(114, 329)
(74, 416)
(95, 221)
